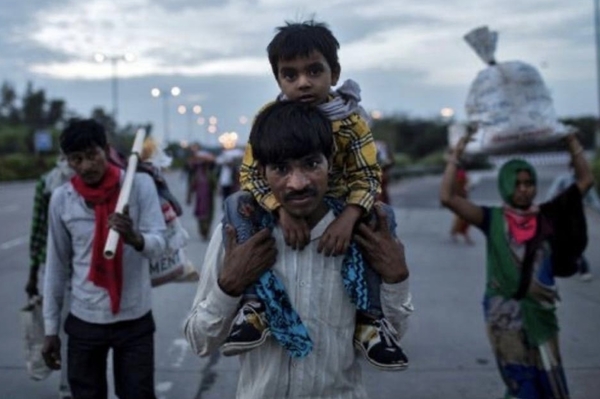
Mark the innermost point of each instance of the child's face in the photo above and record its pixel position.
(306, 79)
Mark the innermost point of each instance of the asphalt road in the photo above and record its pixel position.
(450, 356)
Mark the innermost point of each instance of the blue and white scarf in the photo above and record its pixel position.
(285, 323)
(344, 103)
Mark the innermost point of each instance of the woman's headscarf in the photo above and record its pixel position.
(507, 177)
(522, 224)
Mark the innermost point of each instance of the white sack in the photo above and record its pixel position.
(509, 102)
(33, 333)
(171, 264)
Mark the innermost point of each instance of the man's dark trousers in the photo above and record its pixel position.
(132, 343)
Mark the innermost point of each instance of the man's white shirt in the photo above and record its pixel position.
(70, 244)
(315, 287)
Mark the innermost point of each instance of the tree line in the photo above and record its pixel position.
(22, 115)
(414, 140)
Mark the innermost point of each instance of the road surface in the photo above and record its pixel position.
(449, 354)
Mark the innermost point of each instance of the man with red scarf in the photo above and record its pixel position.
(528, 245)
(110, 298)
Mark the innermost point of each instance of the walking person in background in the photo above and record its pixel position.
(201, 188)
(590, 200)
(110, 299)
(527, 246)
(229, 175)
(38, 239)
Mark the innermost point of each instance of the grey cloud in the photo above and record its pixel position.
(26, 54)
(19, 11)
(357, 28)
(176, 57)
(535, 6)
(229, 97)
(17, 19)
(17, 51)
(253, 45)
(182, 5)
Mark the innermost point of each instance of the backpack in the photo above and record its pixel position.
(120, 160)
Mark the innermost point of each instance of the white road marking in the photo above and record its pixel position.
(179, 346)
(15, 242)
(163, 386)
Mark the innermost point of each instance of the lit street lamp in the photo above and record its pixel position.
(228, 140)
(447, 113)
(165, 94)
(190, 112)
(376, 114)
(114, 60)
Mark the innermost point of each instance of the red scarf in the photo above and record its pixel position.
(105, 273)
(522, 225)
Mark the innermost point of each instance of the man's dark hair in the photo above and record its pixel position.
(300, 39)
(81, 134)
(288, 130)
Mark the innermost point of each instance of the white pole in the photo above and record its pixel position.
(113, 237)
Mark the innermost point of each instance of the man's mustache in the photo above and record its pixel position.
(308, 192)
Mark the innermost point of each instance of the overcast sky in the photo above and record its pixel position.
(408, 56)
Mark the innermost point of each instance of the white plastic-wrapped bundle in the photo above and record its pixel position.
(508, 102)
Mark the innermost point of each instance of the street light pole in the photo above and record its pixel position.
(167, 126)
(165, 94)
(114, 60)
(115, 88)
(190, 111)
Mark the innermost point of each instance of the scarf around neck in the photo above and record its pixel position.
(344, 102)
(105, 273)
(522, 225)
(286, 326)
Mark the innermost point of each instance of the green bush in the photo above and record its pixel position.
(178, 163)
(402, 160)
(13, 139)
(433, 159)
(25, 166)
